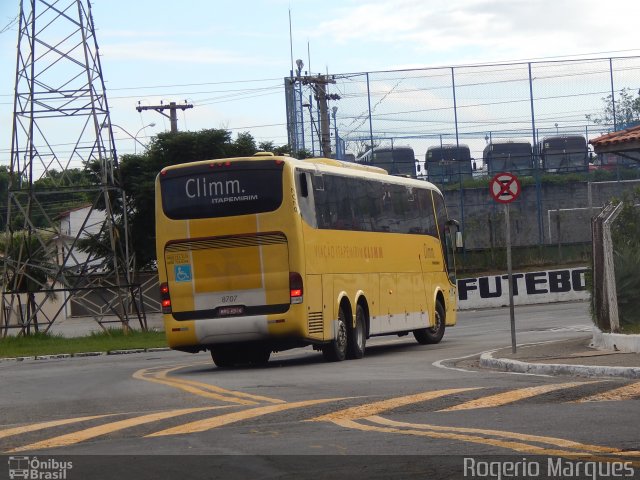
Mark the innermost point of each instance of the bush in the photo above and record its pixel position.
(625, 234)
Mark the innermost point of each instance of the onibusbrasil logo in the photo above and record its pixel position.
(34, 468)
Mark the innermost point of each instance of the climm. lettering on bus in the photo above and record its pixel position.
(199, 187)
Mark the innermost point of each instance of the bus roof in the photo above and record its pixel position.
(339, 163)
(507, 146)
(329, 165)
(448, 151)
(577, 140)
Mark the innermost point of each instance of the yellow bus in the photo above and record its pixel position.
(266, 253)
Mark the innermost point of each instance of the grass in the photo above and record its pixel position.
(45, 344)
(631, 329)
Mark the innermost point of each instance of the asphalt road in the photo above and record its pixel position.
(403, 408)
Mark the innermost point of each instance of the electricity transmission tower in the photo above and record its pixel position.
(61, 126)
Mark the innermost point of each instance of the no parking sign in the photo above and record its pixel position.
(505, 187)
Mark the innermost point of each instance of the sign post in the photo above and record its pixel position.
(505, 188)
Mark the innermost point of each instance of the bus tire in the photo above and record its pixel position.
(224, 357)
(431, 335)
(336, 350)
(259, 356)
(357, 335)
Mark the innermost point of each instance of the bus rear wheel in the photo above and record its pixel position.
(258, 356)
(224, 356)
(426, 336)
(336, 350)
(357, 336)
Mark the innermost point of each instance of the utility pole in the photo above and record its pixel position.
(319, 84)
(173, 107)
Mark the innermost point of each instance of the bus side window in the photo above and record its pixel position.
(304, 188)
(318, 182)
(306, 200)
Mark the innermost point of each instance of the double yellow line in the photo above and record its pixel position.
(366, 418)
(161, 376)
(213, 392)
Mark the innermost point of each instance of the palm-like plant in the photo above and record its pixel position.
(29, 261)
(627, 266)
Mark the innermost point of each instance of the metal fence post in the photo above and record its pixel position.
(613, 96)
(455, 118)
(370, 114)
(536, 160)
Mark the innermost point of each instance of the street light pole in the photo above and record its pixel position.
(134, 137)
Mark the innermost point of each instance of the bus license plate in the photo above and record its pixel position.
(226, 311)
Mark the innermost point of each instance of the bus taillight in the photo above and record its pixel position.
(165, 299)
(295, 287)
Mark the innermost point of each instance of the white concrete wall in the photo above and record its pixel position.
(545, 286)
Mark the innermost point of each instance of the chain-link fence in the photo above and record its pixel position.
(471, 105)
(468, 112)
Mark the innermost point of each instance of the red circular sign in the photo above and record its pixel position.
(505, 187)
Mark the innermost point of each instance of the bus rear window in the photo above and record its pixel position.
(221, 190)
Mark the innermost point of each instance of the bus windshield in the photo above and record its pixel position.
(448, 164)
(565, 153)
(395, 160)
(508, 157)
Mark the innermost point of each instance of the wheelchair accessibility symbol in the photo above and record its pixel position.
(182, 273)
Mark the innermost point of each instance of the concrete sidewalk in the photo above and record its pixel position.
(575, 357)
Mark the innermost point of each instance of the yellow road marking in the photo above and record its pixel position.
(510, 396)
(82, 435)
(514, 441)
(511, 445)
(214, 422)
(559, 442)
(369, 409)
(41, 426)
(215, 388)
(627, 392)
(200, 388)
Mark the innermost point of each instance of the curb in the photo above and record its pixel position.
(487, 361)
(85, 354)
(615, 341)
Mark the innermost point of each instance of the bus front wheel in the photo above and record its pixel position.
(434, 334)
(336, 350)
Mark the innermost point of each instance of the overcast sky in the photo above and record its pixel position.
(229, 58)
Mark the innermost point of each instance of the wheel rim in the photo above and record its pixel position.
(359, 335)
(436, 327)
(341, 339)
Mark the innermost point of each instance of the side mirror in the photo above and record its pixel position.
(453, 228)
(459, 241)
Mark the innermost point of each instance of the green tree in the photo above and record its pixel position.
(4, 194)
(243, 146)
(625, 236)
(627, 110)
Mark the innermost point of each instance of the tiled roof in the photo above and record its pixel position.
(629, 138)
